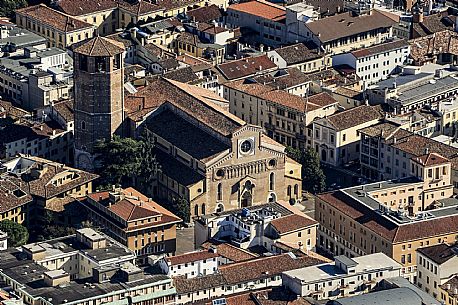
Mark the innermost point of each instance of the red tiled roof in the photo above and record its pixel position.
(230, 252)
(386, 228)
(292, 223)
(55, 19)
(191, 257)
(84, 7)
(260, 8)
(246, 66)
(431, 159)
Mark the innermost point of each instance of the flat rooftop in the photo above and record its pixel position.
(30, 275)
(318, 273)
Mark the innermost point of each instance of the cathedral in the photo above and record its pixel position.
(209, 157)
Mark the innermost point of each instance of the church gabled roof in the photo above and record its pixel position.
(100, 47)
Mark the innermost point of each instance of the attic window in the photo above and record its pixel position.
(19, 193)
(349, 23)
(341, 20)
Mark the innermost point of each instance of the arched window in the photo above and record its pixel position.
(202, 210)
(219, 192)
(296, 190)
(220, 208)
(289, 191)
(272, 181)
(196, 210)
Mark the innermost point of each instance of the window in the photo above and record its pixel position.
(271, 181)
(220, 192)
(202, 210)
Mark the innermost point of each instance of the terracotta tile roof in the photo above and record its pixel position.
(386, 228)
(53, 18)
(85, 7)
(195, 102)
(261, 8)
(132, 207)
(44, 185)
(431, 159)
(130, 210)
(100, 46)
(439, 253)
(381, 48)
(7, 109)
(281, 97)
(61, 204)
(453, 282)
(264, 267)
(354, 117)
(205, 13)
(291, 223)
(13, 193)
(229, 251)
(320, 100)
(242, 272)
(424, 49)
(65, 110)
(174, 4)
(139, 8)
(245, 67)
(346, 24)
(362, 214)
(191, 257)
(184, 285)
(434, 23)
(182, 75)
(298, 53)
(416, 145)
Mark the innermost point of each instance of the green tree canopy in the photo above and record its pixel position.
(313, 178)
(181, 208)
(7, 7)
(118, 160)
(17, 233)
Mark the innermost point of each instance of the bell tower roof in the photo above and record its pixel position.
(100, 47)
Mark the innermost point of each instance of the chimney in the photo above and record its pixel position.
(426, 150)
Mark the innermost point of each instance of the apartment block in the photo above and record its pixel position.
(341, 278)
(336, 137)
(377, 62)
(48, 135)
(351, 31)
(266, 18)
(61, 30)
(134, 220)
(394, 217)
(47, 183)
(387, 150)
(37, 77)
(436, 265)
(80, 268)
(285, 116)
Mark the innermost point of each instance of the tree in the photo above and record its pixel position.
(7, 7)
(149, 167)
(313, 178)
(118, 159)
(17, 233)
(181, 208)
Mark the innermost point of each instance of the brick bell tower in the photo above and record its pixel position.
(99, 95)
